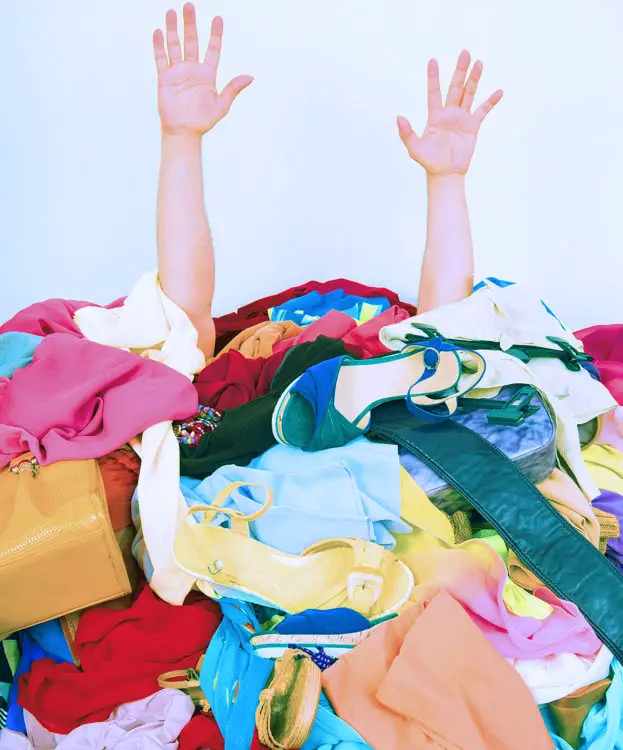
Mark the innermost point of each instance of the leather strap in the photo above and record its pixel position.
(239, 521)
(552, 548)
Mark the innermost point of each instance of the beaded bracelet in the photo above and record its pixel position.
(190, 432)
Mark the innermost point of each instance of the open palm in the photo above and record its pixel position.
(188, 101)
(448, 142)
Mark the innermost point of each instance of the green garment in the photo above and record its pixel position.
(246, 432)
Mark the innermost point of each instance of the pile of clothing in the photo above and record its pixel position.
(354, 527)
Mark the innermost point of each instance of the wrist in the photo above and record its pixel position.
(444, 179)
(181, 136)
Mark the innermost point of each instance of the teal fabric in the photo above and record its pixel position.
(232, 676)
(550, 546)
(16, 351)
(603, 727)
(331, 733)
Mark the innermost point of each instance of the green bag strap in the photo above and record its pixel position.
(542, 538)
(565, 352)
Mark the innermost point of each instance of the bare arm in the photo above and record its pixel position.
(445, 150)
(448, 267)
(185, 253)
(189, 106)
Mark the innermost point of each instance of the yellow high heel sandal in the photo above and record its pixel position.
(332, 573)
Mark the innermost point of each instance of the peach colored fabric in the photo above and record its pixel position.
(429, 680)
(569, 500)
(259, 340)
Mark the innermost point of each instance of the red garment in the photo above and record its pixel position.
(227, 326)
(232, 380)
(119, 471)
(202, 733)
(122, 654)
(51, 316)
(78, 399)
(363, 341)
(605, 343)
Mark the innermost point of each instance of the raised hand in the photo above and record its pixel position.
(188, 101)
(447, 144)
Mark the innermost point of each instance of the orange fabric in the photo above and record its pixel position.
(258, 341)
(429, 679)
(569, 500)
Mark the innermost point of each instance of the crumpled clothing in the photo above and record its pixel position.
(151, 325)
(153, 723)
(122, 653)
(558, 675)
(605, 343)
(429, 679)
(120, 470)
(227, 326)
(260, 340)
(310, 307)
(603, 727)
(16, 351)
(79, 400)
(231, 380)
(352, 491)
(50, 316)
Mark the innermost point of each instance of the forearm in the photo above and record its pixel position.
(185, 253)
(448, 266)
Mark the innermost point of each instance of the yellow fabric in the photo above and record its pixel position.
(605, 465)
(151, 325)
(432, 530)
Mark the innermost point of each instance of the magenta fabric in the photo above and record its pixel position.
(605, 343)
(333, 325)
(51, 316)
(78, 399)
(364, 340)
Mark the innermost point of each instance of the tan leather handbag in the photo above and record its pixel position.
(58, 552)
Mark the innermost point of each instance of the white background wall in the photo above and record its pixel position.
(307, 177)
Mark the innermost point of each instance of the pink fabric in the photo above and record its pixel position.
(78, 399)
(362, 341)
(51, 316)
(365, 338)
(605, 343)
(475, 575)
(334, 325)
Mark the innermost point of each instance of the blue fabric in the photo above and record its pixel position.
(324, 622)
(232, 676)
(16, 351)
(501, 283)
(352, 491)
(308, 308)
(332, 733)
(603, 727)
(31, 651)
(317, 386)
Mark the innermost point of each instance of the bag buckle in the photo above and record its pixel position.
(574, 357)
(364, 587)
(516, 410)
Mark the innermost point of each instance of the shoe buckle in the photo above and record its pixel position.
(364, 587)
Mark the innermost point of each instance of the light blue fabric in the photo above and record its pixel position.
(308, 308)
(332, 733)
(232, 676)
(603, 727)
(352, 491)
(16, 351)
(501, 283)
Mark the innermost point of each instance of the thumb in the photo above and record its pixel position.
(233, 88)
(408, 136)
